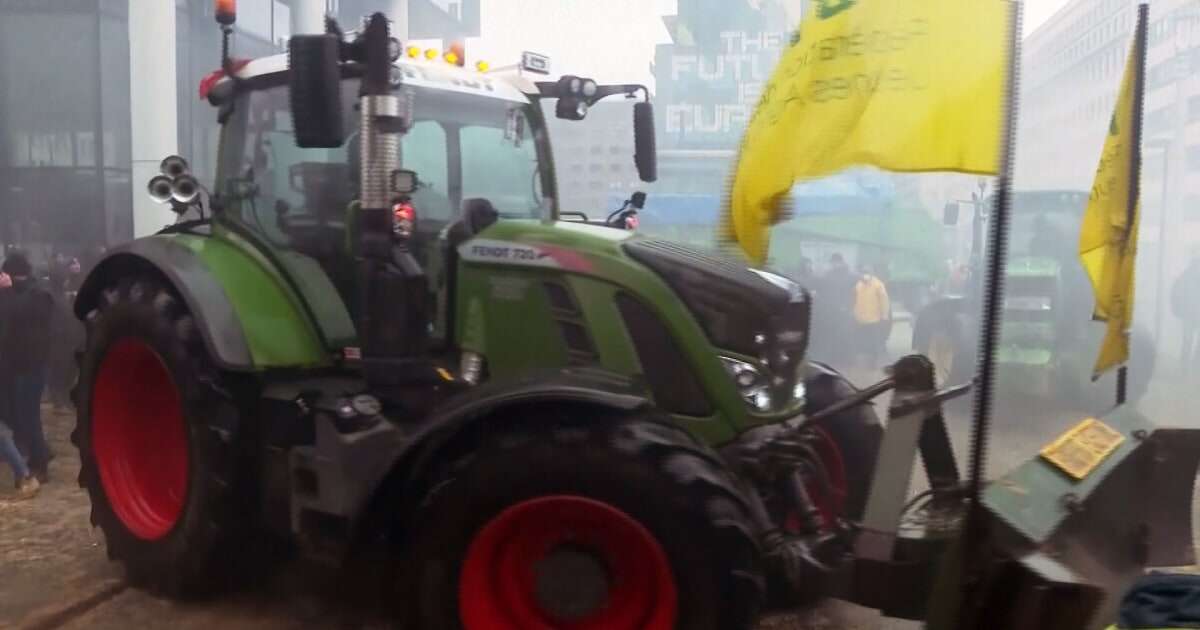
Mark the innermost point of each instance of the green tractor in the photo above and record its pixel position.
(374, 334)
(1046, 346)
(375, 326)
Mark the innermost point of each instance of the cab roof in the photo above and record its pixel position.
(434, 74)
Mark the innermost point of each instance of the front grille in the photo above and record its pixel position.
(668, 373)
(565, 310)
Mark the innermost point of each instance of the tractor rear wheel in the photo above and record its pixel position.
(155, 432)
(614, 525)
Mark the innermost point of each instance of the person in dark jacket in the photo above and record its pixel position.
(25, 319)
(836, 303)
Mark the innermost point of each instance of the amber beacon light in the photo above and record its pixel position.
(226, 11)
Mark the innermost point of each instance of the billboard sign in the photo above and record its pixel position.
(706, 99)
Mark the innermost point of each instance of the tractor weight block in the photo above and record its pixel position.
(1110, 517)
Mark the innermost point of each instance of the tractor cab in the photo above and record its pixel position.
(467, 137)
(466, 149)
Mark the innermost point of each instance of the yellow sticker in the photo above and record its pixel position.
(1083, 447)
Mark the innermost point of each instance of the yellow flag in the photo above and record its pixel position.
(904, 85)
(1108, 236)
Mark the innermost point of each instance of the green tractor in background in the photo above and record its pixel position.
(1046, 344)
(375, 338)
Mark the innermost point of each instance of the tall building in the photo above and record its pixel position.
(708, 80)
(1072, 68)
(112, 89)
(594, 159)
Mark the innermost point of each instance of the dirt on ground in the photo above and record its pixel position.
(56, 574)
(48, 549)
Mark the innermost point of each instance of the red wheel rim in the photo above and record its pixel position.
(830, 501)
(503, 585)
(139, 439)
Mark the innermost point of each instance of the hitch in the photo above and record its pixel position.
(891, 571)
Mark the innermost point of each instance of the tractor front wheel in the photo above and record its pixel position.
(848, 446)
(608, 524)
(155, 434)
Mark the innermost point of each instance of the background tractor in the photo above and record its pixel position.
(1046, 343)
(373, 333)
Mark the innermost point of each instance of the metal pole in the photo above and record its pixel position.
(993, 298)
(155, 133)
(308, 17)
(399, 15)
(1135, 167)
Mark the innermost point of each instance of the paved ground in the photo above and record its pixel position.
(55, 573)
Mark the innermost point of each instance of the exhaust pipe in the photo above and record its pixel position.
(394, 321)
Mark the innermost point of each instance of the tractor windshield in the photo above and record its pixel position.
(460, 145)
(1043, 225)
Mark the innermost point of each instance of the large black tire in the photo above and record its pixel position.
(649, 471)
(154, 420)
(856, 431)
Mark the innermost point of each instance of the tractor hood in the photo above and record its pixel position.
(743, 312)
(740, 308)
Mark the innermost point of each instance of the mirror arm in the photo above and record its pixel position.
(550, 89)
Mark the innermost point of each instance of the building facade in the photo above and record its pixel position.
(77, 151)
(708, 80)
(594, 159)
(1072, 66)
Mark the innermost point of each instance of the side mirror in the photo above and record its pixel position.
(645, 153)
(950, 214)
(404, 182)
(315, 84)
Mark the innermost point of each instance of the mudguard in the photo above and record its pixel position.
(594, 388)
(247, 318)
(414, 459)
(1132, 511)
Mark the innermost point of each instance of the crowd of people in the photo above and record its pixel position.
(38, 337)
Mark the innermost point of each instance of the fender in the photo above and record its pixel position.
(247, 320)
(584, 388)
(412, 463)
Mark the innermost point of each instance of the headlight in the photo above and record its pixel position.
(471, 368)
(751, 383)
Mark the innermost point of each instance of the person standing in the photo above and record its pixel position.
(25, 319)
(836, 304)
(1185, 304)
(873, 314)
(27, 484)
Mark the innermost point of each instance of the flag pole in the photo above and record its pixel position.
(997, 248)
(1135, 170)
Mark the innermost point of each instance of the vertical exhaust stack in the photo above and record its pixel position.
(380, 127)
(393, 313)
